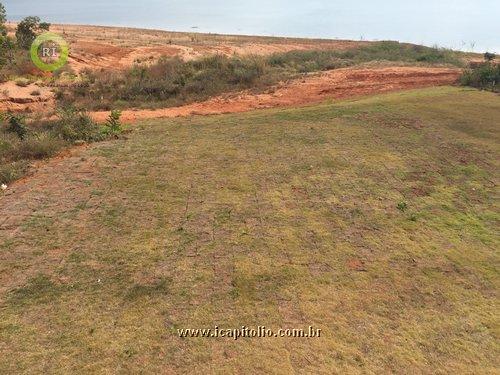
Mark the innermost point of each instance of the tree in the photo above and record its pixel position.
(3, 19)
(28, 29)
(489, 56)
(5, 41)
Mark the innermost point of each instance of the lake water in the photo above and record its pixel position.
(460, 24)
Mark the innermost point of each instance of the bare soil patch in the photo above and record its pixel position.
(314, 88)
(30, 97)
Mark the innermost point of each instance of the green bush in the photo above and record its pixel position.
(17, 125)
(11, 171)
(402, 206)
(3, 19)
(20, 143)
(5, 43)
(484, 76)
(113, 126)
(15, 153)
(74, 125)
(17, 63)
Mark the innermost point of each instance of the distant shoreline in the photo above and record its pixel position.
(196, 31)
(12, 23)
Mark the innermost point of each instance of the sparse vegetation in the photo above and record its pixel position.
(14, 58)
(310, 61)
(373, 219)
(172, 82)
(20, 143)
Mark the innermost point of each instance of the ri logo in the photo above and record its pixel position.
(49, 52)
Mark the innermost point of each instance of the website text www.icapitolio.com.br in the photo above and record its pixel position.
(246, 332)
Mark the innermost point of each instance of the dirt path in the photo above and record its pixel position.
(336, 84)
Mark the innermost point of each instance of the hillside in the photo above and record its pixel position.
(95, 47)
(374, 220)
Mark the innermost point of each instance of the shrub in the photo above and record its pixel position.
(12, 171)
(488, 57)
(18, 63)
(113, 123)
(38, 146)
(44, 139)
(402, 206)
(5, 43)
(7, 145)
(485, 76)
(6, 48)
(3, 19)
(17, 125)
(22, 82)
(74, 125)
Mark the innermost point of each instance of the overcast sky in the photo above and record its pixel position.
(462, 24)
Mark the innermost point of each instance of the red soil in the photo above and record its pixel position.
(336, 84)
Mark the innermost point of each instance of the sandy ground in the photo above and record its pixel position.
(118, 48)
(32, 97)
(336, 84)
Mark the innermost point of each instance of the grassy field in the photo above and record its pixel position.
(375, 220)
